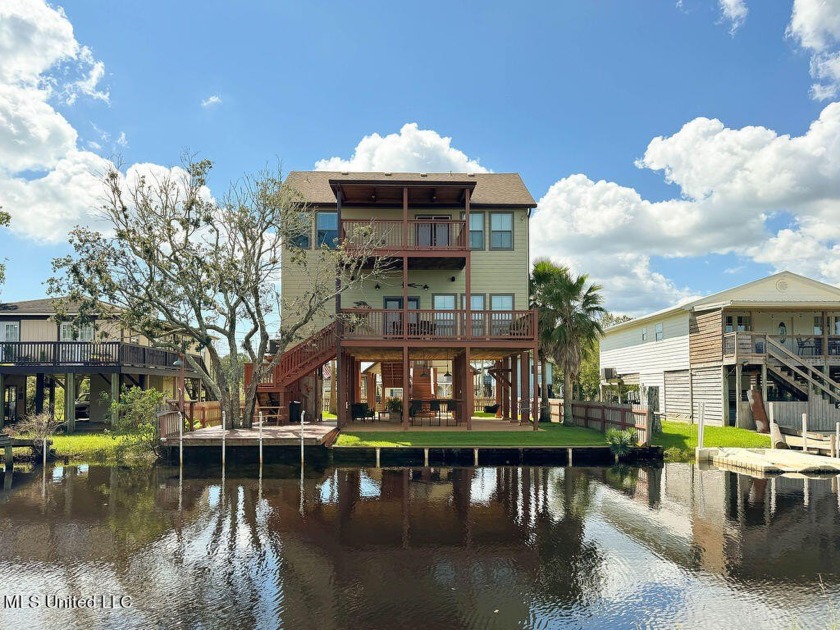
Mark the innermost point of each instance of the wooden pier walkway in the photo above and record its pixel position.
(766, 461)
(314, 434)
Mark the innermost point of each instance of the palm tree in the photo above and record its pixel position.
(570, 312)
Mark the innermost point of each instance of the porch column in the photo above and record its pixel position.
(115, 395)
(39, 393)
(357, 381)
(499, 385)
(2, 400)
(70, 402)
(535, 402)
(514, 390)
(506, 389)
(469, 390)
(524, 386)
(468, 269)
(406, 397)
(52, 396)
(764, 383)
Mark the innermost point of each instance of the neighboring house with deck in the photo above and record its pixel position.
(38, 350)
(780, 335)
(451, 308)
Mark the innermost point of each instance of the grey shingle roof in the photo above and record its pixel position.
(491, 189)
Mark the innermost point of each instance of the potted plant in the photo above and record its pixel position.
(393, 406)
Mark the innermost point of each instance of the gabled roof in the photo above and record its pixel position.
(771, 291)
(44, 307)
(491, 189)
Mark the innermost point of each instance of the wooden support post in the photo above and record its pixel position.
(406, 377)
(39, 393)
(8, 456)
(115, 395)
(739, 370)
(498, 368)
(338, 384)
(514, 389)
(764, 383)
(2, 400)
(51, 390)
(524, 373)
(535, 401)
(469, 390)
(70, 402)
(505, 389)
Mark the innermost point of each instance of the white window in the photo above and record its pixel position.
(644, 334)
(82, 333)
(818, 329)
(10, 331)
(660, 332)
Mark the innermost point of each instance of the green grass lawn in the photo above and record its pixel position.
(679, 439)
(548, 435)
(91, 448)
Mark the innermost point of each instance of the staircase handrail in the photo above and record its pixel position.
(294, 361)
(772, 343)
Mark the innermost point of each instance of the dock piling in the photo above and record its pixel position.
(180, 439)
(302, 414)
(804, 432)
(224, 425)
(261, 439)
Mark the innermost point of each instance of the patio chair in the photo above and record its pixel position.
(805, 348)
(361, 411)
(414, 410)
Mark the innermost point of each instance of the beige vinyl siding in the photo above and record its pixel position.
(492, 271)
(504, 271)
(38, 330)
(677, 393)
(625, 351)
(707, 387)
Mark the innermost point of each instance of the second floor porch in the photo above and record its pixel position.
(749, 346)
(439, 325)
(75, 356)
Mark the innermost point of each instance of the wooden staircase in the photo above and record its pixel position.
(276, 389)
(800, 376)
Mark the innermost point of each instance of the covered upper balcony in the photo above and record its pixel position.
(424, 219)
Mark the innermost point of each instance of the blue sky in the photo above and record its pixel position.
(569, 94)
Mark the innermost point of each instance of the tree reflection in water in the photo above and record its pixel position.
(428, 547)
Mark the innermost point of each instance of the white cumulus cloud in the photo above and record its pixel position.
(731, 182)
(412, 149)
(815, 25)
(735, 12)
(48, 182)
(210, 101)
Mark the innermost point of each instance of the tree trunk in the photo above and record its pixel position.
(545, 413)
(567, 398)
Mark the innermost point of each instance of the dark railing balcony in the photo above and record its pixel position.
(388, 236)
(86, 354)
(439, 324)
(744, 345)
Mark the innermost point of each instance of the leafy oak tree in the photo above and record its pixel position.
(193, 273)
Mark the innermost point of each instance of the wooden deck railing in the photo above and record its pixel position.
(387, 235)
(745, 345)
(438, 324)
(296, 362)
(83, 353)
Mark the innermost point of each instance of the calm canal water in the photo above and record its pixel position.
(419, 548)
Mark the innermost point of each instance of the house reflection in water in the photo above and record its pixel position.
(434, 547)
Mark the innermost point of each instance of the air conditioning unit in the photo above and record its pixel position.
(608, 374)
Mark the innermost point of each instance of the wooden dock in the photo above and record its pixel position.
(314, 434)
(766, 461)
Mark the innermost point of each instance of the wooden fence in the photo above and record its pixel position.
(605, 416)
(822, 415)
(204, 414)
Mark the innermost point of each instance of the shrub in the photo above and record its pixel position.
(134, 418)
(37, 427)
(621, 441)
(393, 405)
